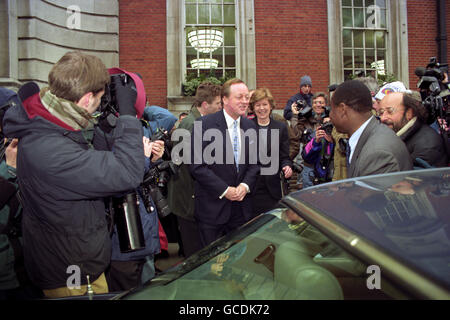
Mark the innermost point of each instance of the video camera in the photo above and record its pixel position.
(435, 94)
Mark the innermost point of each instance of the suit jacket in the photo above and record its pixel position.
(272, 182)
(379, 150)
(211, 180)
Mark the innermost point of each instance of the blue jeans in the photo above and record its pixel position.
(307, 177)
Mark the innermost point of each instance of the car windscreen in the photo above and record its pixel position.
(405, 214)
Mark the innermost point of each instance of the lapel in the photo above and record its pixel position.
(360, 145)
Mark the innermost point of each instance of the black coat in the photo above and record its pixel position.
(425, 143)
(63, 182)
(271, 182)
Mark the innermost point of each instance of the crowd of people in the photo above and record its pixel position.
(67, 172)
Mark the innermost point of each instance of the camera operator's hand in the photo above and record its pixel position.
(157, 150)
(294, 108)
(322, 134)
(287, 170)
(11, 153)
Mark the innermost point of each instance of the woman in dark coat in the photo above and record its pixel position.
(273, 155)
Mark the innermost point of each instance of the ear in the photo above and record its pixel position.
(204, 105)
(409, 114)
(84, 100)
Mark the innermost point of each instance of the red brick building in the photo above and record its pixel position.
(277, 42)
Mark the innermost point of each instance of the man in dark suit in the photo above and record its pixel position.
(373, 147)
(222, 184)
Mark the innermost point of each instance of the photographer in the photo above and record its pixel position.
(304, 122)
(63, 177)
(319, 153)
(304, 96)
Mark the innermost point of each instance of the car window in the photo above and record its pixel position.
(285, 259)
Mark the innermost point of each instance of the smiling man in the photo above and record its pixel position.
(221, 188)
(407, 117)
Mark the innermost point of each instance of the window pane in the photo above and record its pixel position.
(191, 14)
(348, 60)
(370, 58)
(229, 36)
(347, 3)
(358, 38)
(381, 55)
(191, 54)
(218, 55)
(190, 1)
(357, 3)
(347, 17)
(228, 1)
(230, 73)
(215, 1)
(203, 14)
(216, 14)
(230, 57)
(348, 74)
(383, 19)
(191, 73)
(228, 12)
(347, 38)
(381, 3)
(369, 39)
(369, 2)
(359, 58)
(359, 18)
(380, 38)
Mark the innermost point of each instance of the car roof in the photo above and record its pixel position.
(400, 221)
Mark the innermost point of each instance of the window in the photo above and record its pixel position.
(210, 37)
(364, 34)
(367, 36)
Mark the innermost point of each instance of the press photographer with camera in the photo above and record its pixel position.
(301, 99)
(64, 179)
(304, 122)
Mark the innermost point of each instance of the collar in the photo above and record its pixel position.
(407, 126)
(353, 141)
(230, 120)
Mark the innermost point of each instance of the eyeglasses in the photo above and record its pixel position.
(389, 110)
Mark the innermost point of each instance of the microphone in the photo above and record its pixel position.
(27, 90)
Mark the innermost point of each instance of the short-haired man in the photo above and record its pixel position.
(407, 117)
(304, 95)
(221, 187)
(63, 178)
(373, 148)
(181, 187)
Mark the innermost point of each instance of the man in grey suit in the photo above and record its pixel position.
(373, 147)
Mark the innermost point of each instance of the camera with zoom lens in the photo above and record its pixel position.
(302, 107)
(327, 127)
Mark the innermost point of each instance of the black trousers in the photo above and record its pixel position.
(190, 236)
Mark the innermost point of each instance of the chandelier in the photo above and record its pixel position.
(205, 40)
(204, 63)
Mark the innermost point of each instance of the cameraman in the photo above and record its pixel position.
(303, 127)
(319, 153)
(63, 178)
(304, 95)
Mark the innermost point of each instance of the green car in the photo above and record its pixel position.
(379, 237)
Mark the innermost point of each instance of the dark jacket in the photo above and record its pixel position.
(287, 113)
(211, 180)
(181, 186)
(272, 182)
(424, 143)
(63, 182)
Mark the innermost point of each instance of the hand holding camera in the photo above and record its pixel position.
(324, 131)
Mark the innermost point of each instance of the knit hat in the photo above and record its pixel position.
(396, 86)
(305, 80)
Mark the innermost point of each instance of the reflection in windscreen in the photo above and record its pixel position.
(285, 259)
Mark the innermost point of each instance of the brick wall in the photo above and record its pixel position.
(291, 41)
(142, 44)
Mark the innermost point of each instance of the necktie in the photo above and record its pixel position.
(347, 154)
(236, 144)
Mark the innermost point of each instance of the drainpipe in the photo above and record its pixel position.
(442, 32)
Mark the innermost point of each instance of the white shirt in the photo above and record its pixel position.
(353, 141)
(230, 127)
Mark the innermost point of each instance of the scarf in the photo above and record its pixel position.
(67, 111)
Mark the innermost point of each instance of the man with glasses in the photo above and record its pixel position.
(407, 117)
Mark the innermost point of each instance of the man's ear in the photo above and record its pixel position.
(84, 100)
(343, 110)
(409, 114)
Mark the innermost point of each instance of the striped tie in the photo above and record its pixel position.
(347, 154)
(236, 144)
